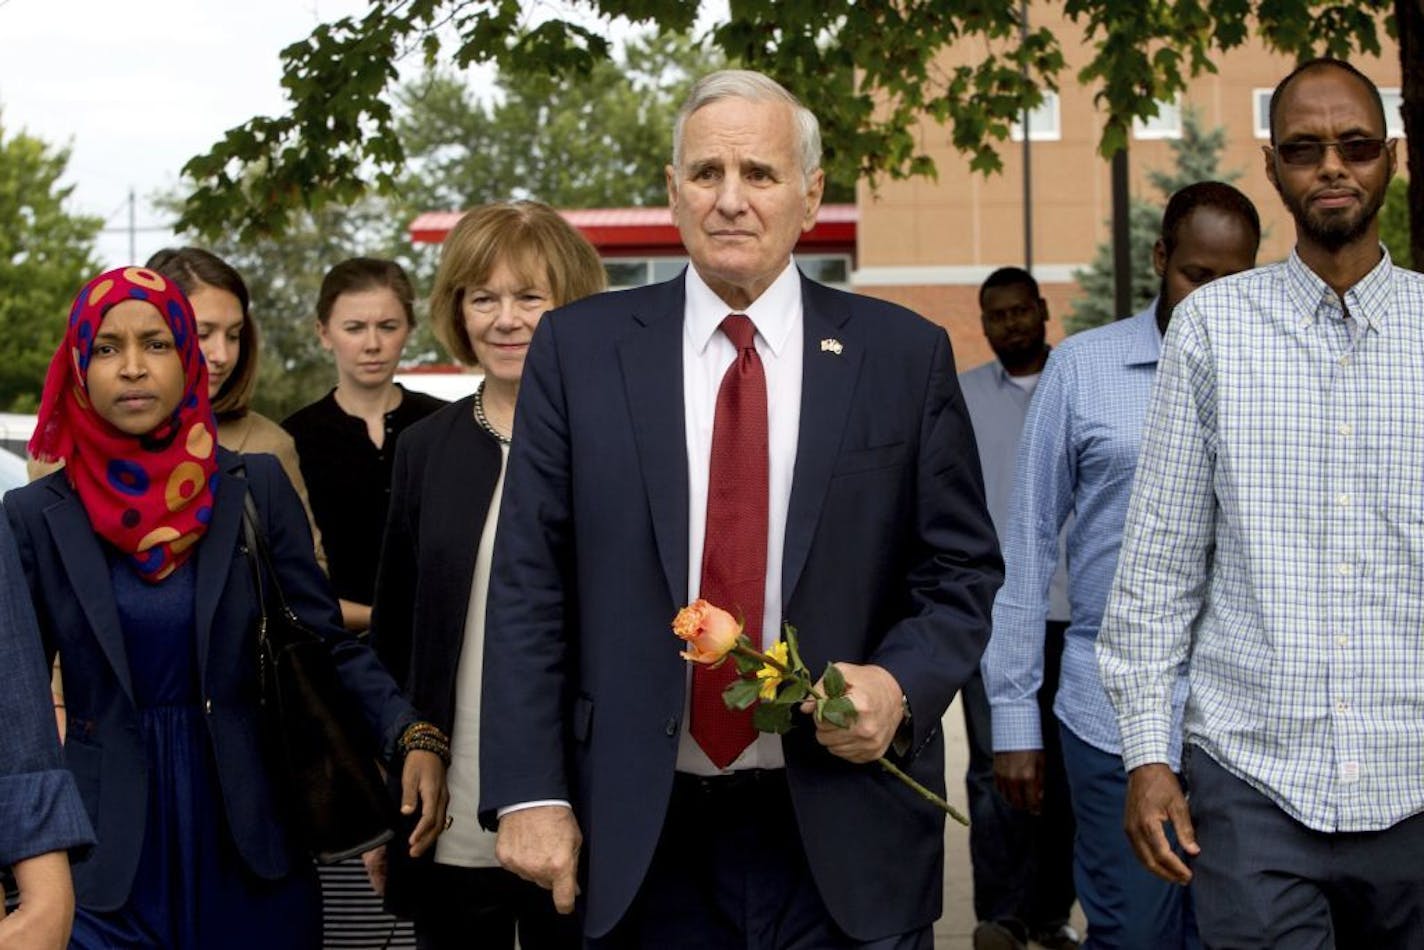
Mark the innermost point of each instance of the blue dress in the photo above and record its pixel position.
(192, 890)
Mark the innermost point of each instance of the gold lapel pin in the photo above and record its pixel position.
(831, 345)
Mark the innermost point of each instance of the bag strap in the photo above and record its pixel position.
(259, 554)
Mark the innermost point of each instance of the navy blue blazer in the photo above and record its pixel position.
(68, 576)
(39, 805)
(890, 558)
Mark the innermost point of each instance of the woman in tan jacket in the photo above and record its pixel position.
(228, 338)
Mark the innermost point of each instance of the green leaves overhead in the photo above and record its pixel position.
(872, 69)
(46, 255)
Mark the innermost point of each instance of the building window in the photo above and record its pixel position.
(1390, 96)
(1393, 119)
(1166, 124)
(1043, 122)
(1261, 112)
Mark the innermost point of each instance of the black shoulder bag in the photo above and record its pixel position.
(318, 745)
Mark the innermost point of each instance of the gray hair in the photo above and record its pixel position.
(756, 87)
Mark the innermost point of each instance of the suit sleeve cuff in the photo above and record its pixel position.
(43, 814)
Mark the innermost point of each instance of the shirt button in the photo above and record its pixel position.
(1344, 361)
(1342, 706)
(1343, 568)
(208, 706)
(1346, 429)
(1342, 641)
(671, 726)
(1342, 499)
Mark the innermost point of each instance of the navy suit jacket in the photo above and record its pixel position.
(890, 558)
(68, 575)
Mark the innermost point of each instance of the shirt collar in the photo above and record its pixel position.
(774, 313)
(1001, 375)
(1146, 346)
(1368, 301)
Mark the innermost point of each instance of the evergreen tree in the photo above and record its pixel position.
(1196, 155)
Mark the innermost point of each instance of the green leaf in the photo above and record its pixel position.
(772, 717)
(832, 682)
(793, 647)
(839, 712)
(745, 664)
(793, 691)
(740, 694)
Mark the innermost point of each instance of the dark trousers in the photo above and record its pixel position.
(1022, 863)
(729, 873)
(1265, 880)
(481, 908)
(1127, 906)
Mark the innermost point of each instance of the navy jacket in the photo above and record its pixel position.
(446, 468)
(68, 576)
(890, 558)
(39, 806)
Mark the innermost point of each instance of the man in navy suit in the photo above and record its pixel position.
(878, 548)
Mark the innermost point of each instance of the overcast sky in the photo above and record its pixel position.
(138, 87)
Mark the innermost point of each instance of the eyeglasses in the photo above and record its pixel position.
(1354, 151)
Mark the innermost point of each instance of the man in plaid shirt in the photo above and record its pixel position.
(1275, 543)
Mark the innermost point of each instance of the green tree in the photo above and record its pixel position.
(597, 142)
(525, 136)
(46, 255)
(1195, 156)
(1394, 223)
(340, 134)
(283, 275)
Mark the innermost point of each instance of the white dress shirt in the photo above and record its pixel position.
(706, 354)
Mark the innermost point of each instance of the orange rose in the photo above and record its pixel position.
(710, 632)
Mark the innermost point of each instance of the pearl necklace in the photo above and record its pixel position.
(483, 419)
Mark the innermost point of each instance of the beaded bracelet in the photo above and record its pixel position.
(425, 737)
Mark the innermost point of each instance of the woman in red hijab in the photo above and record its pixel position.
(132, 556)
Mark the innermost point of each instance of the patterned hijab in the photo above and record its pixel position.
(150, 496)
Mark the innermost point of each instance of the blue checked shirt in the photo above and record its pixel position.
(997, 408)
(1077, 455)
(1276, 540)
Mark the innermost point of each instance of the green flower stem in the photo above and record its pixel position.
(923, 792)
(886, 764)
(766, 659)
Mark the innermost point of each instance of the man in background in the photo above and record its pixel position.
(1077, 456)
(1022, 858)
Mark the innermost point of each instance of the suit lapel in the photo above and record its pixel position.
(828, 379)
(88, 572)
(651, 361)
(213, 559)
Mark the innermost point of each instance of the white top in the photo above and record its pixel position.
(706, 354)
(465, 843)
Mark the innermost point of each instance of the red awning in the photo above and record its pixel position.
(628, 231)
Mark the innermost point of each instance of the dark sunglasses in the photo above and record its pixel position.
(1354, 151)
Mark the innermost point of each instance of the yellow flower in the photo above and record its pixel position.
(770, 676)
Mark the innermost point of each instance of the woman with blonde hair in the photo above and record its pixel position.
(503, 266)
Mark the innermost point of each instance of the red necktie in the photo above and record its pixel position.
(734, 552)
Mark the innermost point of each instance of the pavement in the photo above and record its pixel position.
(955, 928)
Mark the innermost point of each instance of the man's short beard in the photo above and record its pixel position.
(1334, 232)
